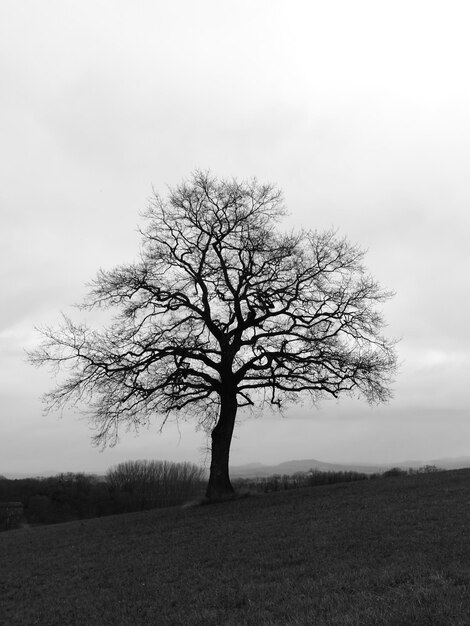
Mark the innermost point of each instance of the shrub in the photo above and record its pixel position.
(40, 510)
(139, 485)
(429, 469)
(394, 471)
(11, 514)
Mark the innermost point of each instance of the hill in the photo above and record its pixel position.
(258, 470)
(384, 551)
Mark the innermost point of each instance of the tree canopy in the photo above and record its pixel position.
(223, 310)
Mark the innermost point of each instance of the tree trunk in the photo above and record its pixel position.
(219, 486)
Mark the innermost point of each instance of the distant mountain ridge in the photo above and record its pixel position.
(259, 470)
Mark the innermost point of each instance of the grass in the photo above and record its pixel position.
(386, 551)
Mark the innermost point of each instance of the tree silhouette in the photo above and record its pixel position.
(223, 310)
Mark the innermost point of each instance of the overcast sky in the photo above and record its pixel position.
(359, 111)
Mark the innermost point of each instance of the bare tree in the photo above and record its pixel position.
(155, 483)
(223, 310)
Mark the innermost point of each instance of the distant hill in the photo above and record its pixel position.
(258, 470)
(460, 462)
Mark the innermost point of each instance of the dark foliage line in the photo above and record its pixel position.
(128, 487)
(313, 478)
(278, 482)
(142, 485)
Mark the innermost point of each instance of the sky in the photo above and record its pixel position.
(359, 111)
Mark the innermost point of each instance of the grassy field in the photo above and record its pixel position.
(385, 551)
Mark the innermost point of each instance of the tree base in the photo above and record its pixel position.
(226, 497)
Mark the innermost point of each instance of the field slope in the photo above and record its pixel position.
(385, 551)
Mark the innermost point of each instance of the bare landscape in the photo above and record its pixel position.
(234, 337)
(386, 551)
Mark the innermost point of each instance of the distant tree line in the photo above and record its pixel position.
(127, 487)
(411, 471)
(141, 485)
(313, 478)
